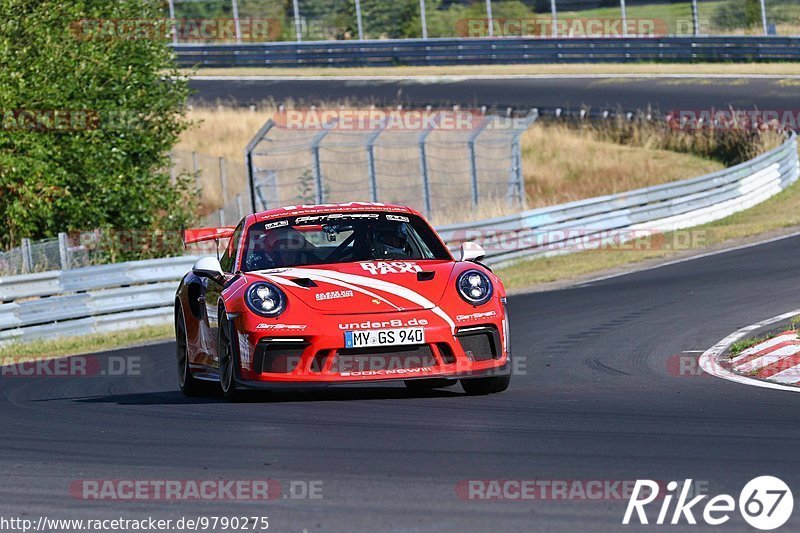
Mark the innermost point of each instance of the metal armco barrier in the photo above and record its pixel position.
(111, 297)
(95, 299)
(620, 217)
(488, 51)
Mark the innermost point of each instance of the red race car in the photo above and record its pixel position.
(348, 293)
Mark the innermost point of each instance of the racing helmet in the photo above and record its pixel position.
(389, 241)
(278, 247)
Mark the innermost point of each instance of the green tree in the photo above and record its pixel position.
(112, 171)
(752, 10)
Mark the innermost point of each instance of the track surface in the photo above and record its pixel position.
(597, 402)
(606, 93)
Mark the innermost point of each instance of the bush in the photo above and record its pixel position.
(107, 165)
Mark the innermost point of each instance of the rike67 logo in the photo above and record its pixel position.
(765, 503)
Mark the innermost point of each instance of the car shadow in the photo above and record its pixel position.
(332, 394)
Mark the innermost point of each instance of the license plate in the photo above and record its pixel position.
(384, 337)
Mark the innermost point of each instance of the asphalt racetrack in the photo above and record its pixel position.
(596, 399)
(628, 93)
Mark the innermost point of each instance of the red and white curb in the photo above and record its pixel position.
(772, 364)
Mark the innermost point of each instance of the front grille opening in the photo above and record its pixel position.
(480, 344)
(319, 359)
(446, 353)
(383, 358)
(278, 357)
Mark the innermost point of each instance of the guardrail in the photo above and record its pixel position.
(95, 299)
(105, 298)
(489, 50)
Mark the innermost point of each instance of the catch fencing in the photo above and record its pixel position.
(112, 297)
(315, 20)
(438, 171)
(60, 253)
(221, 185)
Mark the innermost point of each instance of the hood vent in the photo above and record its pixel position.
(304, 282)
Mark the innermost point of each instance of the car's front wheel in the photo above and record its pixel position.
(227, 362)
(188, 384)
(490, 385)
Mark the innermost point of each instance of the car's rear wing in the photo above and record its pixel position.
(193, 235)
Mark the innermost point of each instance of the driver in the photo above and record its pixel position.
(278, 247)
(389, 241)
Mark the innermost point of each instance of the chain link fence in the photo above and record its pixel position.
(437, 166)
(221, 185)
(320, 20)
(61, 253)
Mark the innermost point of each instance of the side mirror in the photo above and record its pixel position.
(472, 251)
(208, 267)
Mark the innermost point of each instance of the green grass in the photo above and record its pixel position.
(19, 352)
(741, 345)
(669, 13)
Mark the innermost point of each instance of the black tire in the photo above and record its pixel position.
(477, 386)
(188, 384)
(428, 384)
(227, 363)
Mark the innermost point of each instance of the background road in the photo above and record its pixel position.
(607, 93)
(596, 402)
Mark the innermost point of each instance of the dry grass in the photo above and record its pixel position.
(553, 174)
(222, 132)
(563, 164)
(779, 69)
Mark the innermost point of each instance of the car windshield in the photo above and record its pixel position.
(339, 238)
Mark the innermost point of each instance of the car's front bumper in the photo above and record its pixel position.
(276, 355)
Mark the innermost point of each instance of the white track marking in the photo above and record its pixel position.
(768, 358)
(790, 375)
(466, 77)
(763, 346)
(709, 364)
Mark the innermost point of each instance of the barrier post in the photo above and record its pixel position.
(63, 251)
(27, 256)
(223, 179)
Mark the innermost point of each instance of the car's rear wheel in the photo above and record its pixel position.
(428, 384)
(188, 384)
(476, 386)
(227, 362)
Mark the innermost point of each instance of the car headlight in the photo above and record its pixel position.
(265, 299)
(474, 287)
